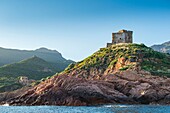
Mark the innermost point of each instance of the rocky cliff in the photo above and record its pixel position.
(120, 74)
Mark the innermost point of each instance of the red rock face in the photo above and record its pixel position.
(128, 87)
(71, 91)
(119, 64)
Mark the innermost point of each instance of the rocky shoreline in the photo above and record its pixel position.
(128, 87)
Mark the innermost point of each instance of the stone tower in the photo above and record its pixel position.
(123, 36)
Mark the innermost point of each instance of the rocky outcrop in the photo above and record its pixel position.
(25, 81)
(7, 95)
(68, 90)
(128, 87)
(142, 87)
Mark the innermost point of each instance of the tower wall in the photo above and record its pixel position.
(123, 36)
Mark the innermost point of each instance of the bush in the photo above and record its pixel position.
(124, 68)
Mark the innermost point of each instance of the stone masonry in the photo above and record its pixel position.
(123, 36)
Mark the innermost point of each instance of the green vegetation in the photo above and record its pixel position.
(9, 84)
(47, 63)
(124, 68)
(9, 56)
(155, 62)
(107, 57)
(34, 68)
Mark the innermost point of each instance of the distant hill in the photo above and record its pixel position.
(34, 68)
(35, 64)
(8, 56)
(165, 47)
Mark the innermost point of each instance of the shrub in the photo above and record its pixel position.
(124, 68)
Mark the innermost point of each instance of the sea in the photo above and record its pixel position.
(87, 109)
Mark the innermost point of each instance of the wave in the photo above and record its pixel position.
(119, 106)
(5, 104)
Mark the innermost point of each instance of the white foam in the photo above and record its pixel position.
(119, 106)
(5, 104)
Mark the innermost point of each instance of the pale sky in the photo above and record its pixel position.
(78, 28)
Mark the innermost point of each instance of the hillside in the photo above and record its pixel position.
(121, 57)
(120, 74)
(34, 68)
(8, 56)
(165, 47)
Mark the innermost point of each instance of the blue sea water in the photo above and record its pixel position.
(85, 109)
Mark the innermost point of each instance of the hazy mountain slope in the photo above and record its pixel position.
(165, 47)
(8, 56)
(34, 68)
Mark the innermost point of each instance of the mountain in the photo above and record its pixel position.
(119, 74)
(8, 56)
(165, 47)
(15, 63)
(34, 68)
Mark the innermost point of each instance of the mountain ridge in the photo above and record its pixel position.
(164, 47)
(34, 64)
(6, 56)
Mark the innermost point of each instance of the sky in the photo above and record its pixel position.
(78, 28)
